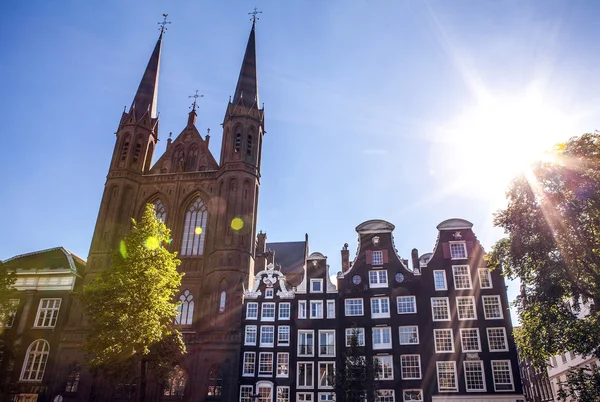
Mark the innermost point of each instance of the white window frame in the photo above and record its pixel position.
(462, 340)
(248, 331)
(281, 364)
(445, 331)
(246, 364)
(332, 346)
(409, 398)
(326, 396)
(260, 362)
(460, 277)
(385, 395)
(281, 398)
(381, 279)
(486, 272)
(286, 329)
(246, 392)
(318, 314)
(304, 396)
(453, 364)
(403, 366)
(288, 308)
(269, 293)
(512, 380)
(312, 376)
(346, 305)
(485, 313)
(36, 358)
(314, 282)
(265, 385)
(360, 334)
(330, 308)
(443, 275)
(47, 313)
(385, 359)
(306, 333)
(302, 309)
(505, 349)
(415, 330)
(459, 299)
(382, 345)
(270, 306)
(378, 253)
(456, 243)
(402, 300)
(482, 377)
(447, 308)
(328, 383)
(263, 331)
(379, 303)
(248, 306)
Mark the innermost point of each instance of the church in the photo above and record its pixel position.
(263, 321)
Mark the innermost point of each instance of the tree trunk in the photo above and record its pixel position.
(142, 391)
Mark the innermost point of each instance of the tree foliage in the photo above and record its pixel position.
(7, 281)
(582, 385)
(552, 223)
(356, 379)
(130, 306)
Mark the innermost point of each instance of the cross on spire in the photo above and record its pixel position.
(195, 96)
(163, 24)
(253, 14)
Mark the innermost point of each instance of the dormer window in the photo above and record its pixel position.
(269, 293)
(458, 250)
(316, 285)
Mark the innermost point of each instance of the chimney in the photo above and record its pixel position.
(345, 258)
(260, 261)
(415, 260)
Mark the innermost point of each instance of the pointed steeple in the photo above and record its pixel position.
(146, 96)
(247, 85)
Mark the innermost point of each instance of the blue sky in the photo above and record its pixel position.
(408, 111)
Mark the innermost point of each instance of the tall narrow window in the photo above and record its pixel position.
(249, 145)
(177, 161)
(222, 301)
(124, 151)
(215, 382)
(175, 382)
(194, 230)
(73, 379)
(237, 143)
(192, 158)
(47, 313)
(137, 151)
(185, 308)
(35, 361)
(161, 210)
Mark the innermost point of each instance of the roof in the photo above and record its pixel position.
(290, 255)
(52, 258)
(454, 224)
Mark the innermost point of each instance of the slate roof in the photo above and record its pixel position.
(52, 258)
(291, 256)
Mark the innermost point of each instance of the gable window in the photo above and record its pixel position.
(382, 338)
(316, 285)
(358, 332)
(378, 279)
(385, 367)
(440, 309)
(161, 210)
(465, 306)
(302, 309)
(406, 304)
(306, 342)
(330, 308)
(446, 376)
(474, 377)
(249, 364)
(439, 279)
(326, 374)
(485, 278)
(327, 343)
(444, 340)
(246, 392)
(354, 307)
(409, 335)
(269, 293)
(503, 379)
(316, 309)
(497, 340)
(377, 258)
(35, 361)
(268, 312)
(305, 375)
(492, 307)
(185, 309)
(47, 313)
(462, 277)
(283, 364)
(284, 311)
(380, 307)
(469, 340)
(410, 367)
(414, 395)
(267, 336)
(265, 364)
(194, 228)
(250, 337)
(12, 313)
(458, 250)
(252, 311)
(283, 335)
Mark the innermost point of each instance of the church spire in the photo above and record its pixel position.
(247, 85)
(146, 96)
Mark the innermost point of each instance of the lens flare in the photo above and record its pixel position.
(152, 243)
(123, 249)
(237, 224)
(198, 230)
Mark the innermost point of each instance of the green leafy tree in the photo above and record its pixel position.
(583, 384)
(7, 281)
(356, 378)
(130, 307)
(552, 223)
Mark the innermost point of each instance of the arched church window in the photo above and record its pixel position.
(185, 309)
(178, 159)
(136, 152)
(124, 151)
(249, 146)
(222, 301)
(161, 210)
(73, 379)
(238, 142)
(194, 230)
(215, 383)
(176, 382)
(35, 361)
(191, 160)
